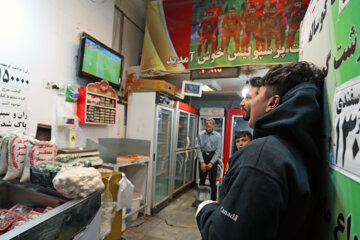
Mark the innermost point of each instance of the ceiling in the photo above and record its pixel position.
(229, 87)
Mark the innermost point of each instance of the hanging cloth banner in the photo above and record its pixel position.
(184, 35)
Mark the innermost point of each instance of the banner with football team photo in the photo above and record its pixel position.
(184, 34)
(237, 32)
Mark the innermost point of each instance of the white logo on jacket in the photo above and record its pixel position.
(232, 216)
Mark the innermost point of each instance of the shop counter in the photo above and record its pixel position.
(69, 219)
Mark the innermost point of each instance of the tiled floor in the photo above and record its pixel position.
(174, 222)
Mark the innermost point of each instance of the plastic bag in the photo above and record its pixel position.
(78, 182)
(108, 211)
(72, 95)
(125, 193)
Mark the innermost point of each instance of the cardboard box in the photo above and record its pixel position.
(150, 85)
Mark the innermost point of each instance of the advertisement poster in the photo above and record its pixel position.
(183, 35)
(346, 110)
(330, 38)
(14, 82)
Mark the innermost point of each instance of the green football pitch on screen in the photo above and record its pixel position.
(97, 64)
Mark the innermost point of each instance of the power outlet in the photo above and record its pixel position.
(54, 85)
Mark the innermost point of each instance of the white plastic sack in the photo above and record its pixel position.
(36, 153)
(108, 212)
(4, 142)
(125, 193)
(16, 157)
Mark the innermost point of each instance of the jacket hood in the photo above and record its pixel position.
(296, 119)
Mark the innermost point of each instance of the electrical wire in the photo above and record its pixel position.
(144, 219)
(175, 225)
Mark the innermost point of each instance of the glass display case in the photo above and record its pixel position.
(163, 153)
(151, 117)
(185, 141)
(67, 219)
(184, 174)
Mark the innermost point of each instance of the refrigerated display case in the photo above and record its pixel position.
(162, 153)
(234, 123)
(183, 171)
(151, 117)
(69, 219)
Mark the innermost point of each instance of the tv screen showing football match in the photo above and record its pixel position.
(102, 63)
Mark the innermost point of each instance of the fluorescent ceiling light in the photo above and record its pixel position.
(206, 88)
(245, 89)
(209, 85)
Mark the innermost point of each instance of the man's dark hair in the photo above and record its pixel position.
(241, 134)
(281, 78)
(255, 81)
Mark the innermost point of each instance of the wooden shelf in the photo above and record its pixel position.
(96, 94)
(98, 123)
(82, 104)
(100, 106)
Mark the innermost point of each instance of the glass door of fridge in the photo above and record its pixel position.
(179, 170)
(190, 166)
(183, 129)
(238, 124)
(185, 164)
(163, 153)
(192, 130)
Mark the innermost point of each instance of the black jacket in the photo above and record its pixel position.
(267, 192)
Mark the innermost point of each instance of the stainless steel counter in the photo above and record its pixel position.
(66, 220)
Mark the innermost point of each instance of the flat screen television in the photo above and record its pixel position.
(97, 62)
(192, 89)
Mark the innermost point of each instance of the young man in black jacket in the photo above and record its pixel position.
(268, 192)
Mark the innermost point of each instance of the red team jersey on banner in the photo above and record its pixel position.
(231, 25)
(252, 22)
(207, 28)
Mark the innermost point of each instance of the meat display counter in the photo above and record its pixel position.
(69, 219)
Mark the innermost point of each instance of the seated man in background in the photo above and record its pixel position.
(272, 184)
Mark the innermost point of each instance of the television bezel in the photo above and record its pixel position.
(89, 77)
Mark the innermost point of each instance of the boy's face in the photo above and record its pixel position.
(240, 142)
